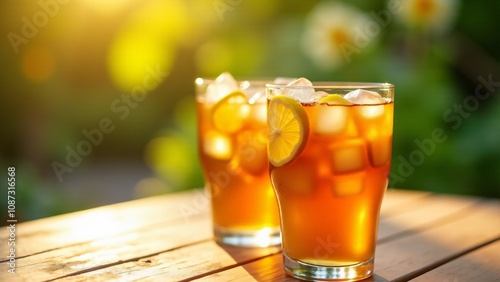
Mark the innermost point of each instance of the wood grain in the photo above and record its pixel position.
(479, 265)
(178, 264)
(423, 236)
(410, 252)
(108, 221)
(432, 243)
(422, 212)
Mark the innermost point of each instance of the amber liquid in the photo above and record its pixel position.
(330, 195)
(236, 172)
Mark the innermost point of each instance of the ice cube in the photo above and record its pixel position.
(365, 97)
(318, 95)
(371, 111)
(300, 82)
(347, 185)
(298, 177)
(348, 156)
(283, 80)
(217, 145)
(372, 101)
(259, 113)
(253, 92)
(303, 90)
(223, 85)
(380, 150)
(257, 97)
(251, 154)
(331, 120)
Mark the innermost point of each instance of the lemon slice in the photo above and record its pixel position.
(288, 127)
(229, 113)
(334, 99)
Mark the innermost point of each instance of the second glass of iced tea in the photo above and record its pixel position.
(330, 154)
(232, 139)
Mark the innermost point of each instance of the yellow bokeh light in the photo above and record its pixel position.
(148, 40)
(171, 18)
(170, 156)
(133, 56)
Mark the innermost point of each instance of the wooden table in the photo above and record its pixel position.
(422, 236)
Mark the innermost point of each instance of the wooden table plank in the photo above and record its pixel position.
(479, 265)
(179, 264)
(401, 255)
(108, 221)
(136, 270)
(424, 246)
(168, 238)
(111, 250)
(396, 199)
(268, 269)
(423, 211)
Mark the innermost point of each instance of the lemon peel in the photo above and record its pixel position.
(288, 129)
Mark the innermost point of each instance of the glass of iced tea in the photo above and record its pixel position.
(232, 146)
(330, 154)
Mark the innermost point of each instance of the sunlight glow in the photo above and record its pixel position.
(264, 237)
(95, 224)
(149, 39)
(133, 54)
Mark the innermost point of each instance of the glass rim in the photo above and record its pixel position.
(337, 85)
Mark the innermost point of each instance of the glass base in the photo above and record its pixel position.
(264, 237)
(310, 272)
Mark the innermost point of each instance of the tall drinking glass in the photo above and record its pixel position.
(232, 138)
(330, 154)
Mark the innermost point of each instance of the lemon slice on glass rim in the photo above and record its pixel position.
(288, 129)
(230, 113)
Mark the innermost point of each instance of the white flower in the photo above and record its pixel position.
(335, 31)
(433, 15)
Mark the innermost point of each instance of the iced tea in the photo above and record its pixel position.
(232, 138)
(331, 191)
